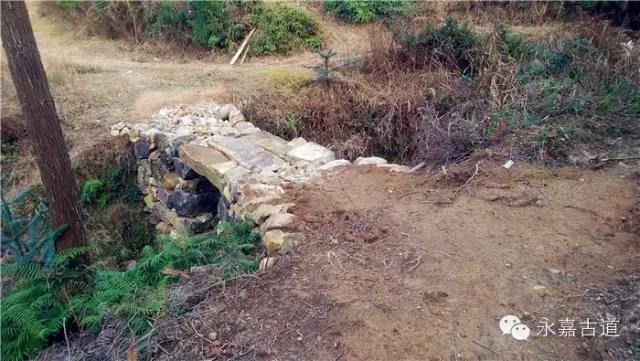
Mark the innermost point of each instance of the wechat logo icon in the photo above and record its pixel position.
(511, 325)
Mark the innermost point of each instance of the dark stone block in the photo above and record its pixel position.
(141, 148)
(165, 197)
(160, 164)
(189, 204)
(183, 169)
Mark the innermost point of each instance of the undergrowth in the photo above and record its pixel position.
(46, 294)
(440, 93)
(213, 25)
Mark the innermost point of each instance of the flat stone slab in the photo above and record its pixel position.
(312, 153)
(334, 164)
(208, 162)
(370, 161)
(269, 142)
(246, 153)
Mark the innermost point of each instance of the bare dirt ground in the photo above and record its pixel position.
(394, 266)
(422, 267)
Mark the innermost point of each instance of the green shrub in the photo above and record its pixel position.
(212, 25)
(514, 45)
(92, 190)
(358, 11)
(283, 29)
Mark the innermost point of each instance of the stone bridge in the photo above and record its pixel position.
(204, 163)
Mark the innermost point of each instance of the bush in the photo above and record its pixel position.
(358, 11)
(283, 29)
(212, 25)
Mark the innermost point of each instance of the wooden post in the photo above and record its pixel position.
(244, 43)
(43, 126)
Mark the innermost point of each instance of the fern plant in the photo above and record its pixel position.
(40, 300)
(27, 238)
(137, 294)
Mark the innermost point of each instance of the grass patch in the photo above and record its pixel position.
(288, 79)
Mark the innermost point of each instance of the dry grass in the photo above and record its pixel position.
(410, 102)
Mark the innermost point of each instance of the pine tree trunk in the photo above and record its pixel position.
(43, 126)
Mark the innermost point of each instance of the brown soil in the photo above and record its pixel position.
(421, 267)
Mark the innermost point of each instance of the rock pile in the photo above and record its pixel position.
(203, 163)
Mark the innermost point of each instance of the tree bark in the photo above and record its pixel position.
(43, 126)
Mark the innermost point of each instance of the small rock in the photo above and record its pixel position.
(223, 112)
(555, 271)
(541, 291)
(278, 241)
(370, 161)
(163, 228)
(296, 142)
(114, 133)
(267, 263)
(277, 220)
(164, 196)
(118, 126)
(170, 180)
(148, 201)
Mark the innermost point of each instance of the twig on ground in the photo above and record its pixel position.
(470, 178)
(418, 261)
(619, 158)
(66, 337)
(483, 346)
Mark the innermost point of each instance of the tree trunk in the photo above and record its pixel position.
(43, 127)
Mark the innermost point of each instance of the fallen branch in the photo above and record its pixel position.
(619, 158)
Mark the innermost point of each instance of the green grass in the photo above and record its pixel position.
(283, 29)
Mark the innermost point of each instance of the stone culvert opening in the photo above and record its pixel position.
(201, 164)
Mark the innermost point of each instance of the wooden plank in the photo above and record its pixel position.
(244, 43)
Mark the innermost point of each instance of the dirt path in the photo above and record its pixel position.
(98, 82)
